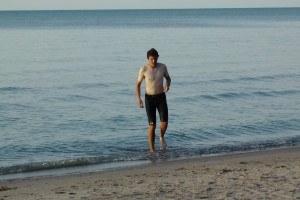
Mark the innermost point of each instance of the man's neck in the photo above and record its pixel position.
(152, 65)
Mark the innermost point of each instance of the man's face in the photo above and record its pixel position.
(152, 61)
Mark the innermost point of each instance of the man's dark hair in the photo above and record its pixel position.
(152, 52)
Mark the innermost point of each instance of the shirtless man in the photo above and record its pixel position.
(155, 97)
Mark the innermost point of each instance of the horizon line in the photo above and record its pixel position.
(120, 9)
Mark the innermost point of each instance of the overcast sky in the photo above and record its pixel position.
(139, 4)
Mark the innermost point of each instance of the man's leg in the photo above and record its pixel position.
(151, 114)
(151, 137)
(163, 114)
(163, 129)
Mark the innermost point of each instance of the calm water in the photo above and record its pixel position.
(67, 82)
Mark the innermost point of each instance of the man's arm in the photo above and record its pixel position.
(138, 93)
(168, 79)
(168, 83)
(138, 88)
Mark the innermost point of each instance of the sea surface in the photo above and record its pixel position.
(67, 85)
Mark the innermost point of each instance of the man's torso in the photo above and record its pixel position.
(154, 78)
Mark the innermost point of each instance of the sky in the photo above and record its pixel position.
(140, 4)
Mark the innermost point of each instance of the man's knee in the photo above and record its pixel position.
(163, 126)
(152, 126)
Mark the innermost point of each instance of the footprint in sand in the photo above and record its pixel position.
(5, 188)
(59, 190)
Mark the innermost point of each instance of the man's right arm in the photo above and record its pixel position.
(138, 88)
(138, 93)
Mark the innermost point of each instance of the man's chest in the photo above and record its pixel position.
(154, 74)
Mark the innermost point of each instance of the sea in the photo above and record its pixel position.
(67, 86)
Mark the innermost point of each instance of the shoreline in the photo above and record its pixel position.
(271, 174)
(118, 165)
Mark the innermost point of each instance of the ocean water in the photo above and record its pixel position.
(67, 85)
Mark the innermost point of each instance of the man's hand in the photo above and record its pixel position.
(140, 103)
(166, 88)
(168, 83)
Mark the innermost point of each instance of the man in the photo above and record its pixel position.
(155, 97)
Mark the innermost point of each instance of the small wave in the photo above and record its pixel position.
(224, 80)
(209, 97)
(263, 94)
(286, 92)
(91, 85)
(268, 77)
(73, 98)
(185, 99)
(276, 93)
(65, 163)
(246, 147)
(179, 152)
(80, 97)
(257, 78)
(13, 89)
(260, 127)
(232, 95)
(9, 106)
(237, 95)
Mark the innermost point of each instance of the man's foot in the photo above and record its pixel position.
(163, 144)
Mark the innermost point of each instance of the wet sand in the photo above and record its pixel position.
(272, 174)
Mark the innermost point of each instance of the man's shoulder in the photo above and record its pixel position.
(162, 66)
(143, 68)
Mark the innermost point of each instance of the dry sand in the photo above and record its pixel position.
(273, 174)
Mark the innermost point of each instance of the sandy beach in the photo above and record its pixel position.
(272, 174)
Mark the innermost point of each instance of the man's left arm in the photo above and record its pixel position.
(168, 80)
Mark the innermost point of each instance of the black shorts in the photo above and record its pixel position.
(159, 102)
